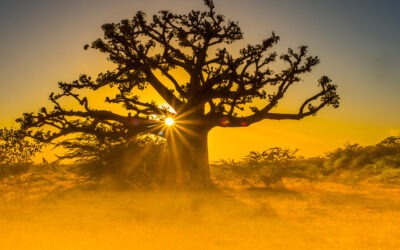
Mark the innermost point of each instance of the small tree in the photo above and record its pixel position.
(185, 60)
(16, 156)
(15, 150)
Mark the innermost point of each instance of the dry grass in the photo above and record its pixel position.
(300, 216)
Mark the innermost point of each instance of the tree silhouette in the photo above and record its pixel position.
(184, 59)
(16, 153)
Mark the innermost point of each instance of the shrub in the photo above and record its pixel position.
(272, 164)
(389, 175)
(126, 163)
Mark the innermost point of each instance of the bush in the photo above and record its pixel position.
(389, 175)
(365, 163)
(272, 164)
(126, 163)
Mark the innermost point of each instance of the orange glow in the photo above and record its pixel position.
(169, 121)
(313, 136)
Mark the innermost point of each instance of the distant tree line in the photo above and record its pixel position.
(351, 164)
(379, 162)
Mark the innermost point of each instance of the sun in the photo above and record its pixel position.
(169, 121)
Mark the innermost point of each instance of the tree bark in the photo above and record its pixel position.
(188, 164)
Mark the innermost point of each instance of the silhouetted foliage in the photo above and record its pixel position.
(16, 152)
(15, 149)
(379, 162)
(354, 156)
(350, 164)
(221, 87)
(132, 163)
(271, 155)
(274, 163)
(16, 159)
(268, 167)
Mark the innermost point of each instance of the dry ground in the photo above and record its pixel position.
(300, 216)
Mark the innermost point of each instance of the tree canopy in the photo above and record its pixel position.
(221, 87)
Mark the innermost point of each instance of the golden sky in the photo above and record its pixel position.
(357, 42)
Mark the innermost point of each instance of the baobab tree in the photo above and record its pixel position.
(184, 58)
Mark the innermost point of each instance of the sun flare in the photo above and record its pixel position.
(169, 121)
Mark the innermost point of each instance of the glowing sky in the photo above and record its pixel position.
(41, 43)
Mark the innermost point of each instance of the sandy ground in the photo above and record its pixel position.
(301, 216)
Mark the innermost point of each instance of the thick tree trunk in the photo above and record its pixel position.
(188, 160)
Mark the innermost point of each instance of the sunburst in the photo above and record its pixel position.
(169, 121)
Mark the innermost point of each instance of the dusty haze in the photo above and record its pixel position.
(302, 215)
